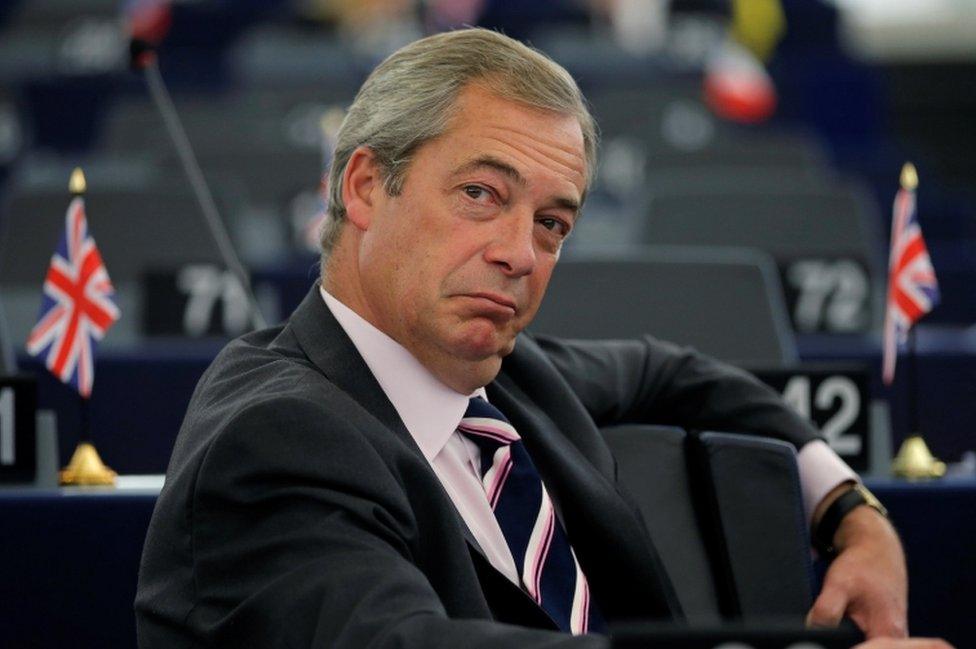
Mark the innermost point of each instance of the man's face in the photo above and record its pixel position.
(457, 264)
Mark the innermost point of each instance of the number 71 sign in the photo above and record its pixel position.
(18, 405)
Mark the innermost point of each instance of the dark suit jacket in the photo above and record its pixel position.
(299, 512)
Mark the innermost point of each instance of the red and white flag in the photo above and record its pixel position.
(912, 288)
(77, 307)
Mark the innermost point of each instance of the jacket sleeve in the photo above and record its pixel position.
(652, 381)
(301, 537)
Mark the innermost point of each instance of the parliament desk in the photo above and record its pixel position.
(937, 525)
(69, 561)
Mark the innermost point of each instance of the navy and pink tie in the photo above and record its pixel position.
(549, 571)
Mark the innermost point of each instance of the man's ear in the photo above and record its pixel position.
(360, 183)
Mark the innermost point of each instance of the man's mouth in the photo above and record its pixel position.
(494, 302)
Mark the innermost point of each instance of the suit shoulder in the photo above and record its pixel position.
(254, 378)
(257, 366)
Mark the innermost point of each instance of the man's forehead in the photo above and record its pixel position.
(474, 96)
(495, 129)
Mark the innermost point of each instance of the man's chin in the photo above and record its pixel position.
(477, 353)
(482, 346)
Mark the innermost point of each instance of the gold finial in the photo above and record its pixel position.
(915, 461)
(77, 183)
(86, 468)
(909, 177)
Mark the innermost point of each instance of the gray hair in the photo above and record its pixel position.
(410, 98)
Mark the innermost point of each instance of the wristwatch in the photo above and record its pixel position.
(857, 495)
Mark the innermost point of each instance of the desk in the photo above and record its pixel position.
(937, 524)
(69, 561)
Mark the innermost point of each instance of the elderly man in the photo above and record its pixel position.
(399, 464)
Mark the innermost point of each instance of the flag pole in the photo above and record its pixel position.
(77, 186)
(84, 433)
(914, 459)
(913, 418)
(143, 58)
(85, 467)
(909, 182)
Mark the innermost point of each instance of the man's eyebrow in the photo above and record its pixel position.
(512, 173)
(492, 163)
(569, 204)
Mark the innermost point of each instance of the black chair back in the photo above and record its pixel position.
(726, 516)
(725, 302)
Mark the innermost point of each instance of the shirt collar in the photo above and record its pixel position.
(429, 409)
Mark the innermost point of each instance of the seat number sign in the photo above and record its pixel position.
(18, 404)
(835, 399)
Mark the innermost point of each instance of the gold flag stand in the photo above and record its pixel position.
(86, 468)
(916, 462)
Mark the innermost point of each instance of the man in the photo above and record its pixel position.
(352, 477)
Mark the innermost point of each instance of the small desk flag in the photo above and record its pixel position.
(77, 307)
(912, 288)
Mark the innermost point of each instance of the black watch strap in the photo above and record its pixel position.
(857, 495)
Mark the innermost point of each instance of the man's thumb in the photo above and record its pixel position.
(828, 610)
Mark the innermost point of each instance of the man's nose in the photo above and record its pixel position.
(513, 245)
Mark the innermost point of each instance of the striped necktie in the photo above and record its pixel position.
(549, 571)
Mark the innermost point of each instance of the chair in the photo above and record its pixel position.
(669, 121)
(755, 506)
(813, 233)
(725, 513)
(651, 464)
(138, 220)
(726, 303)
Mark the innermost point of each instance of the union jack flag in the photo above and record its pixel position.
(912, 288)
(76, 308)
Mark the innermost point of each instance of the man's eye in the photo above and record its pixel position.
(477, 192)
(556, 225)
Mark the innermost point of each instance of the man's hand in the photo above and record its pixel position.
(867, 581)
(914, 643)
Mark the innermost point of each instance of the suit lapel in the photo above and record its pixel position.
(328, 346)
(508, 602)
(610, 541)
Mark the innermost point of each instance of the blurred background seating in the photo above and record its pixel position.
(797, 171)
(741, 205)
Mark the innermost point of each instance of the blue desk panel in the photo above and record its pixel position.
(68, 567)
(937, 524)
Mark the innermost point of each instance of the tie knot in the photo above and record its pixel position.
(486, 422)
